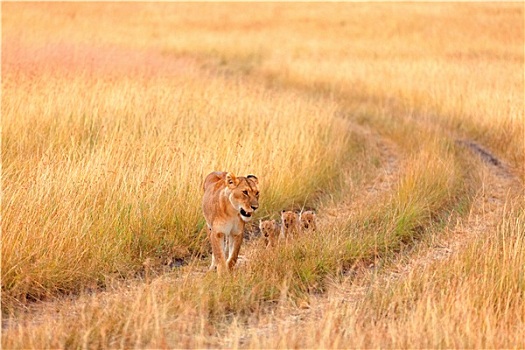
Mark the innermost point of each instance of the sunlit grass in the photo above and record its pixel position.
(445, 301)
(108, 131)
(109, 179)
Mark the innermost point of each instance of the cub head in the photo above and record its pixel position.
(289, 219)
(308, 220)
(268, 228)
(244, 194)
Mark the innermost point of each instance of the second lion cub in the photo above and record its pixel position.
(289, 225)
(308, 221)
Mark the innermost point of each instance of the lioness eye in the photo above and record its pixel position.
(257, 194)
(245, 192)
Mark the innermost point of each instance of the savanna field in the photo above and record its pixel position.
(401, 124)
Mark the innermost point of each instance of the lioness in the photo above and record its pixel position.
(228, 203)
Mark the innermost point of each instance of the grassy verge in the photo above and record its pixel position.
(100, 184)
(468, 301)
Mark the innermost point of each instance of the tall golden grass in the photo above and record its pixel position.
(110, 172)
(109, 129)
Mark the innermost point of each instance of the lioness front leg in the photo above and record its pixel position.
(218, 259)
(235, 247)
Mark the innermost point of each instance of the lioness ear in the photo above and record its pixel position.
(254, 178)
(231, 180)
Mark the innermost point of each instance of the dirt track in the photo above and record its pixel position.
(499, 187)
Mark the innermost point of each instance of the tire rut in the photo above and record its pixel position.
(372, 191)
(498, 187)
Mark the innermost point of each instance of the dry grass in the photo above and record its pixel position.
(130, 161)
(466, 294)
(108, 130)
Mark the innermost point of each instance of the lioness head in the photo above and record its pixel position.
(244, 194)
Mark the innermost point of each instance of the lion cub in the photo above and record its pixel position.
(270, 231)
(308, 221)
(289, 224)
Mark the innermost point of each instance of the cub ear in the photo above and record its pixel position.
(231, 180)
(254, 178)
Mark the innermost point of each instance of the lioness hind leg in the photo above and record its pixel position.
(235, 247)
(213, 263)
(217, 246)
